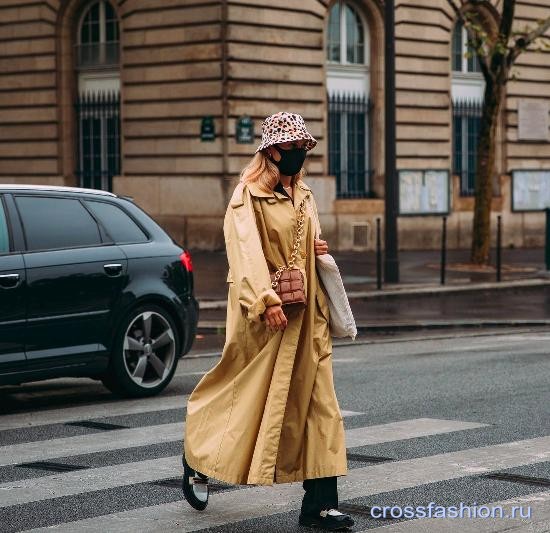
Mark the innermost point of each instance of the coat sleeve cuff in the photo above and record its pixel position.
(265, 299)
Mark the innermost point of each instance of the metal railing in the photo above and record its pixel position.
(466, 123)
(349, 135)
(98, 122)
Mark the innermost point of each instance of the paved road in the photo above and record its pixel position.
(427, 420)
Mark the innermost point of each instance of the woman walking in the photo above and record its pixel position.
(267, 412)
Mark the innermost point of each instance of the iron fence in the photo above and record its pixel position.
(98, 122)
(349, 135)
(466, 125)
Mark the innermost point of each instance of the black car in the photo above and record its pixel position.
(90, 286)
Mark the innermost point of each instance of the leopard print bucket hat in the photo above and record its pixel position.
(283, 127)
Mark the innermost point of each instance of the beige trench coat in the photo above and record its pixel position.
(267, 412)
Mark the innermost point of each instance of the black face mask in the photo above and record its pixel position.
(291, 160)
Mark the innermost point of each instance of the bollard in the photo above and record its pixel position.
(378, 255)
(547, 254)
(443, 250)
(499, 248)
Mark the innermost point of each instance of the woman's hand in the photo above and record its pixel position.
(275, 318)
(321, 247)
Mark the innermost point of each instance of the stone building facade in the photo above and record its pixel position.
(115, 94)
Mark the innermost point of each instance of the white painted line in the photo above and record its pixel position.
(86, 412)
(235, 506)
(539, 520)
(350, 413)
(116, 439)
(65, 484)
(405, 429)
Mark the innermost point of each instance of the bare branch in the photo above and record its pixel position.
(522, 43)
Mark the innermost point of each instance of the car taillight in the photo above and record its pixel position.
(186, 261)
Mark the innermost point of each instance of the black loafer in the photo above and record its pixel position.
(195, 487)
(331, 520)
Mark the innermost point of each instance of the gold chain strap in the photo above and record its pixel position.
(296, 248)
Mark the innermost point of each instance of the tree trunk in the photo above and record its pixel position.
(485, 168)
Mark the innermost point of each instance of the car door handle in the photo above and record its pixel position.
(113, 269)
(9, 281)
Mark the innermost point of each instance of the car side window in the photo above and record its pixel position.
(121, 228)
(56, 223)
(4, 235)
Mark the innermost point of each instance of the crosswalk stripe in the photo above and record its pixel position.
(405, 429)
(84, 412)
(539, 502)
(96, 442)
(69, 483)
(235, 506)
(90, 443)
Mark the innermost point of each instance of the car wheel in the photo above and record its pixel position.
(145, 353)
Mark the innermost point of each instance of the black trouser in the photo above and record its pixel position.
(321, 495)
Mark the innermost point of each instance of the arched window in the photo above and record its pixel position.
(467, 92)
(464, 60)
(98, 103)
(348, 86)
(345, 35)
(98, 36)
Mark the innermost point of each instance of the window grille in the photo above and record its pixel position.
(98, 121)
(466, 126)
(349, 144)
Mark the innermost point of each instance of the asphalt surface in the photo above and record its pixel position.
(497, 380)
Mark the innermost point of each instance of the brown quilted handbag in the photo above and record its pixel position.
(287, 281)
(290, 288)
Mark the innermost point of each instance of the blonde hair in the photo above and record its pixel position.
(264, 172)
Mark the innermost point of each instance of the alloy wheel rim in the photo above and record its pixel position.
(149, 349)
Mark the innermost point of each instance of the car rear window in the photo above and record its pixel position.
(117, 223)
(4, 235)
(54, 223)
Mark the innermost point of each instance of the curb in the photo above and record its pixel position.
(421, 291)
(209, 327)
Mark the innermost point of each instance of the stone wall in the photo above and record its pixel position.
(184, 59)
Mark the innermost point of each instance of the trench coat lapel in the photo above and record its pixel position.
(301, 191)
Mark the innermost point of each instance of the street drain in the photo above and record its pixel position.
(95, 425)
(368, 458)
(176, 483)
(529, 480)
(363, 510)
(54, 467)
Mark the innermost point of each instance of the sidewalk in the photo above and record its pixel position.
(418, 301)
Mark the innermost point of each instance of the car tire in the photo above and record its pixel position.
(145, 353)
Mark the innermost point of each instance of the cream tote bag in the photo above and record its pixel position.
(342, 323)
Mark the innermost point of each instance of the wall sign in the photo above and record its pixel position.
(530, 190)
(245, 130)
(533, 121)
(208, 128)
(423, 192)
